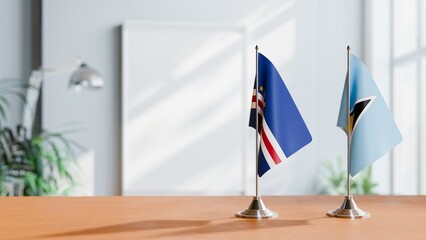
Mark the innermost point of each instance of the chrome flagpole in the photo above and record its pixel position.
(348, 209)
(257, 208)
(257, 121)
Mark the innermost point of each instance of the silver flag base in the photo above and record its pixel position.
(349, 209)
(257, 209)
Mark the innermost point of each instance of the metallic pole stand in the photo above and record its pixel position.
(257, 208)
(348, 209)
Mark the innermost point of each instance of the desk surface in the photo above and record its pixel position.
(301, 217)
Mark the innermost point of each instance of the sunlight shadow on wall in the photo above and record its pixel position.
(186, 124)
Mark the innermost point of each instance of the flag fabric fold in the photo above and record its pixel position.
(281, 127)
(373, 131)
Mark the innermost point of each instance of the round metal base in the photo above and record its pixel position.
(348, 209)
(257, 209)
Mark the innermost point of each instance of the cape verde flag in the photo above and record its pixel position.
(281, 127)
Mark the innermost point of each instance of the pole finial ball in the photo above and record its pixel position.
(257, 47)
(349, 48)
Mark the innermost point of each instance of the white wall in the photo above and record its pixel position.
(15, 47)
(306, 40)
(400, 77)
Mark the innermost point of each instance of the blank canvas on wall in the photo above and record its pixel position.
(183, 116)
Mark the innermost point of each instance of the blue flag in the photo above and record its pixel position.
(373, 130)
(281, 127)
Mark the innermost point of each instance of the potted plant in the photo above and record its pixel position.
(335, 177)
(35, 165)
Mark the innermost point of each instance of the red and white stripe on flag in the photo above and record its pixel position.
(260, 102)
(269, 145)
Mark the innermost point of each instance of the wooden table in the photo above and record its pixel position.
(301, 217)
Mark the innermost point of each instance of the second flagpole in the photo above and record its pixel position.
(349, 130)
(348, 209)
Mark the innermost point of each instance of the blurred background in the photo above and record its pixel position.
(172, 116)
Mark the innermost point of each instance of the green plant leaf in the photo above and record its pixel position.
(45, 160)
(334, 180)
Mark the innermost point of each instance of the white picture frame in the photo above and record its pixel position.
(185, 108)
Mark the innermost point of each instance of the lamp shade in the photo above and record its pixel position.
(86, 77)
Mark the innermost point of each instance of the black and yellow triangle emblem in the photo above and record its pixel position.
(359, 110)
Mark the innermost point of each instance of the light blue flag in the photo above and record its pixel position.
(374, 132)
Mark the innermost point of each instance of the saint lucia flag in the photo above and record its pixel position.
(281, 127)
(373, 131)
